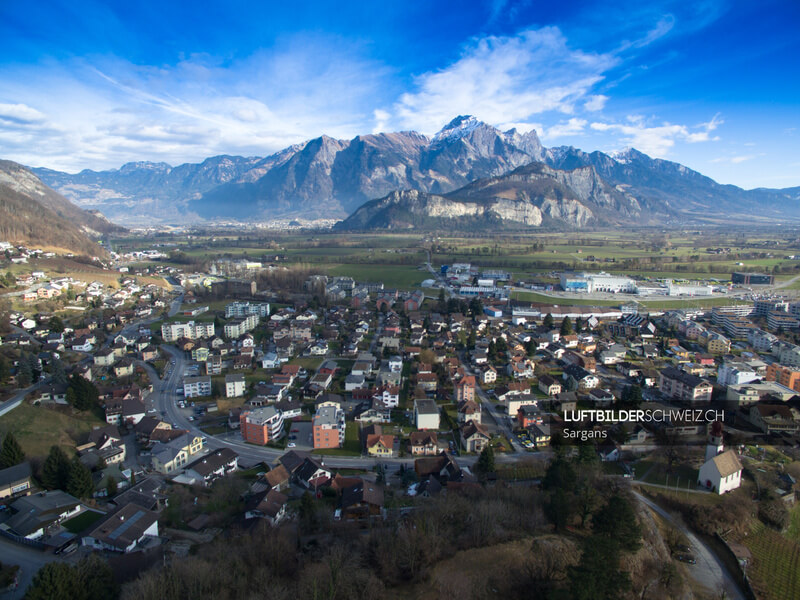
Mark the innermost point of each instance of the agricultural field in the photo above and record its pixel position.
(775, 571)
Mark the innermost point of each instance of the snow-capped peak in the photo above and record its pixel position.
(459, 127)
(622, 156)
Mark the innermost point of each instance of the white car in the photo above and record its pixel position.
(291, 445)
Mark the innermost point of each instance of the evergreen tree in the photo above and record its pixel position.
(111, 487)
(55, 470)
(578, 325)
(617, 521)
(24, 372)
(476, 306)
(11, 453)
(566, 326)
(79, 480)
(486, 460)
(56, 325)
(597, 576)
(55, 581)
(5, 369)
(471, 339)
(57, 373)
(548, 321)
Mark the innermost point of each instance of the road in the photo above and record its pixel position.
(17, 398)
(709, 572)
(29, 560)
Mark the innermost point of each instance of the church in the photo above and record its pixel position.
(722, 471)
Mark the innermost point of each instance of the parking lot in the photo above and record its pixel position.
(302, 434)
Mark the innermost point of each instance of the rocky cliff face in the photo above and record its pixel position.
(530, 196)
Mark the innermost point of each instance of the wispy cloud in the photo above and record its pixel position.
(658, 140)
(505, 79)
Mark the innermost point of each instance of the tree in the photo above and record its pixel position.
(55, 470)
(56, 325)
(11, 453)
(476, 307)
(560, 475)
(57, 373)
(631, 396)
(578, 325)
(597, 576)
(24, 371)
(472, 338)
(5, 369)
(55, 581)
(79, 480)
(486, 460)
(617, 521)
(566, 326)
(548, 321)
(111, 487)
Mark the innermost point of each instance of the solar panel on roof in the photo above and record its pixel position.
(125, 525)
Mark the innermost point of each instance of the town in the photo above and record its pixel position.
(149, 411)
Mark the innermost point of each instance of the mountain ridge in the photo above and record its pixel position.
(327, 177)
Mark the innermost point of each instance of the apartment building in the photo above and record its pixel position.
(239, 326)
(194, 387)
(235, 386)
(191, 330)
(684, 386)
(261, 425)
(245, 309)
(786, 376)
(328, 426)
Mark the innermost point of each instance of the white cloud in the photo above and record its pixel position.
(657, 140)
(573, 126)
(504, 79)
(20, 113)
(110, 111)
(734, 160)
(595, 103)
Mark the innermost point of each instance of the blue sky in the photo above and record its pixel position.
(714, 85)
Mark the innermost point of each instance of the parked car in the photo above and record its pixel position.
(291, 445)
(687, 558)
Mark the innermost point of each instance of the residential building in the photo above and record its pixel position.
(328, 426)
(261, 425)
(680, 385)
(474, 437)
(123, 530)
(216, 464)
(170, 332)
(16, 481)
(423, 443)
(36, 516)
(194, 387)
(235, 386)
(549, 385)
(173, 455)
(426, 414)
(787, 376)
(465, 389)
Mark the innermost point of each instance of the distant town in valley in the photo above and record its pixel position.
(299, 387)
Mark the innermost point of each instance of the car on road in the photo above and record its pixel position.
(291, 445)
(292, 437)
(687, 558)
(683, 548)
(295, 430)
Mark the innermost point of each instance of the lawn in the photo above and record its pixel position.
(82, 521)
(37, 427)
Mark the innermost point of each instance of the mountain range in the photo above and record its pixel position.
(482, 170)
(33, 214)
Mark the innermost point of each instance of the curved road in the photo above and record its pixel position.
(709, 572)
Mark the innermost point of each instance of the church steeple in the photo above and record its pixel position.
(714, 446)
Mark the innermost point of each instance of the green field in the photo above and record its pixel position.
(393, 276)
(38, 427)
